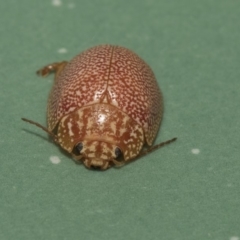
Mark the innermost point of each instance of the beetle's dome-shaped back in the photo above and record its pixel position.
(110, 74)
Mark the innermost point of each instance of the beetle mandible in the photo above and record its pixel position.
(105, 106)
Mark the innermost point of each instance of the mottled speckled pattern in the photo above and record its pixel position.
(103, 123)
(114, 73)
(106, 97)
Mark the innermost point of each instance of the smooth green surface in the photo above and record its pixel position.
(194, 49)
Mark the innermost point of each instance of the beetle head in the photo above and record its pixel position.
(97, 154)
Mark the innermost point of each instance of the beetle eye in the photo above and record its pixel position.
(79, 147)
(118, 153)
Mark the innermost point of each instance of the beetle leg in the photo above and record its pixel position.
(117, 163)
(87, 163)
(105, 166)
(53, 67)
(77, 158)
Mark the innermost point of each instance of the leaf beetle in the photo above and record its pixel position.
(105, 106)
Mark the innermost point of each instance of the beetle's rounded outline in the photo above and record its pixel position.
(105, 98)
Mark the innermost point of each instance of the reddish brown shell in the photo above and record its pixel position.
(115, 74)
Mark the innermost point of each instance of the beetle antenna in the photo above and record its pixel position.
(153, 148)
(40, 126)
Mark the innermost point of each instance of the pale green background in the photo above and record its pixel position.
(194, 49)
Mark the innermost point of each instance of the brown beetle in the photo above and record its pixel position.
(105, 105)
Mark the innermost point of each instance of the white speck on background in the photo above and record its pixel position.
(56, 3)
(62, 50)
(71, 5)
(55, 159)
(195, 151)
(234, 238)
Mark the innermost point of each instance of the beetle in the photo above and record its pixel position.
(105, 106)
